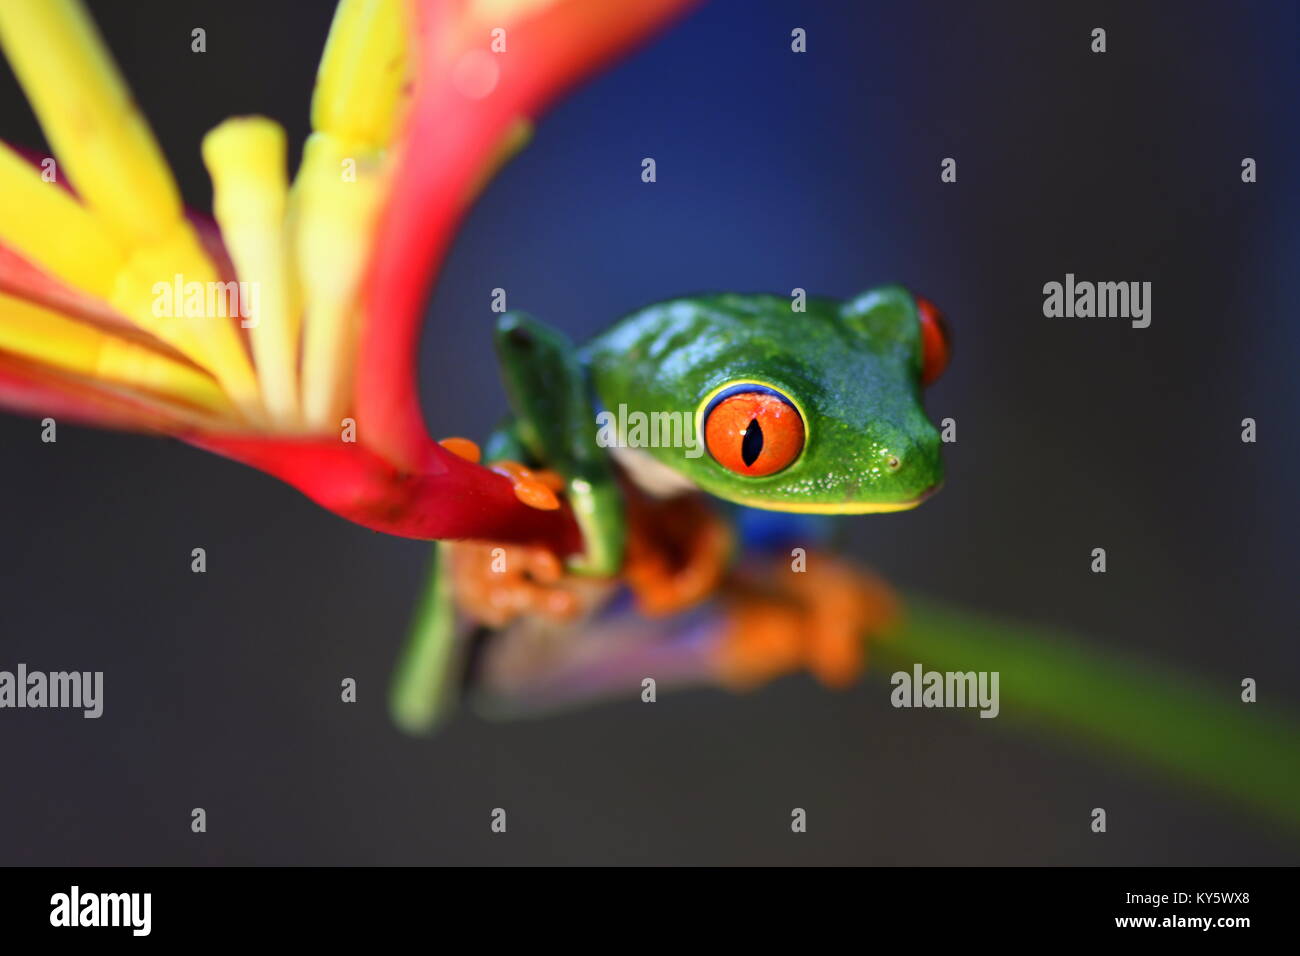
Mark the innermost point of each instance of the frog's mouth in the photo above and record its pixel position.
(847, 507)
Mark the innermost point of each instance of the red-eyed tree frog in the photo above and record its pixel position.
(740, 398)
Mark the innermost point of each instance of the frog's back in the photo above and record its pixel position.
(693, 337)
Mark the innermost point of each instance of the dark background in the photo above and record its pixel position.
(775, 170)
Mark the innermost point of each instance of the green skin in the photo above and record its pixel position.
(851, 368)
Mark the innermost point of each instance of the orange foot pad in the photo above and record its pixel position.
(497, 583)
(537, 489)
(462, 448)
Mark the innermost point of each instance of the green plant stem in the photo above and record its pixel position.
(1204, 733)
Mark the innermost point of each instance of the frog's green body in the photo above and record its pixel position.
(851, 369)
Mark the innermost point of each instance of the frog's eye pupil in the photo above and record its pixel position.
(753, 430)
(752, 446)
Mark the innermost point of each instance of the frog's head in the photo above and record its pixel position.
(814, 411)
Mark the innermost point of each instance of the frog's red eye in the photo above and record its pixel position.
(753, 431)
(935, 341)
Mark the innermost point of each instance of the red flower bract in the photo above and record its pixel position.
(453, 134)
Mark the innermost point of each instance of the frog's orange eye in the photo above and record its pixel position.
(753, 431)
(935, 341)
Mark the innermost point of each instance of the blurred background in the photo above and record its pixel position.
(775, 170)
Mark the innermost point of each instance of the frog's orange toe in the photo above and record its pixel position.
(537, 489)
(846, 605)
(497, 583)
(820, 619)
(536, 495)
(836, 656)
(462, 448)
(762, 640)
(551, 479)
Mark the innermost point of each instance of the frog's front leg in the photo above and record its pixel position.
(555, 425)
(677, 553)
(549, 445)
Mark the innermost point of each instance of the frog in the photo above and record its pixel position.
(807, 407)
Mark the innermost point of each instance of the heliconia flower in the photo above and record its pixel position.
(107, 288)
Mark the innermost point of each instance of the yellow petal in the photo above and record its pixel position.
(362, 73)
(43, 222)
(337, 198)
(109, 154)
(209, 338)
(360, 92)
(39, 334)
(246, 160)
(88, 116)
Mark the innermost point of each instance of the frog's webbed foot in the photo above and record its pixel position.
(678, 551)
(780, 620)
(496, 584)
